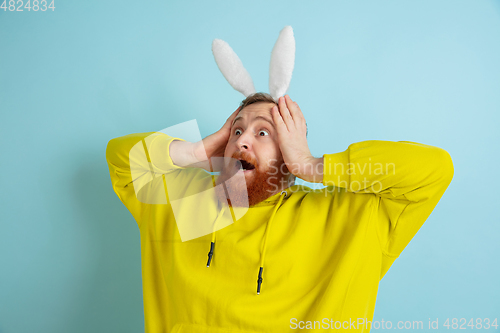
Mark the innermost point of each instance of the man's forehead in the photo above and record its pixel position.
(256, 110)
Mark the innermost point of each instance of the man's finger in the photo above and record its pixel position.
(278, 120)
(229, 121)
(294, 108)
(285, 113)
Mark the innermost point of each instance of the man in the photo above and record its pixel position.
(261, 147)
(324, 251)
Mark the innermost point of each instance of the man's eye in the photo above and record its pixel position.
(237, 132)
(263, 133)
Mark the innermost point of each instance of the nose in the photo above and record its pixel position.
(244, 141)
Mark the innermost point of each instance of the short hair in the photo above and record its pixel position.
(258, 98)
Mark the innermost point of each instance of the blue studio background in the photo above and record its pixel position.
(89, 71)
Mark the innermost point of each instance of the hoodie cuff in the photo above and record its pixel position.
(159, 153)
(335, 168)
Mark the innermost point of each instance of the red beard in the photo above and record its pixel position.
(245, 190)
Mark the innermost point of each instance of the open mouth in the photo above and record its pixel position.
(246, 166)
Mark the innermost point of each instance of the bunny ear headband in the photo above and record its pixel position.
(280, 67)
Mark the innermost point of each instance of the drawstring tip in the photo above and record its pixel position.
(210, 253)
(259, 280)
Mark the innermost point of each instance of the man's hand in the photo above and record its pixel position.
(199, 154)
(292, 130)
(215, 144)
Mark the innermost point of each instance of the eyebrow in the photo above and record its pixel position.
(258, 117)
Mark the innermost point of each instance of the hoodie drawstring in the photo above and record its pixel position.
(266, 234)
(212, 245)
(268, 228)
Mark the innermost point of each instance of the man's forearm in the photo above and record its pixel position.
(181, 153)
(310, 171)
(188, 154)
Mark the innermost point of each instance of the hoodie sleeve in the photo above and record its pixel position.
(407, 178)
(138, 164)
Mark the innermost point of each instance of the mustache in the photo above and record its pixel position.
(243, 155)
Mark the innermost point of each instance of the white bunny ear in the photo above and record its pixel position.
(232, 67)
(282, 62)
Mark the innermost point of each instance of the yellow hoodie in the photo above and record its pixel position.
(317, 256)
